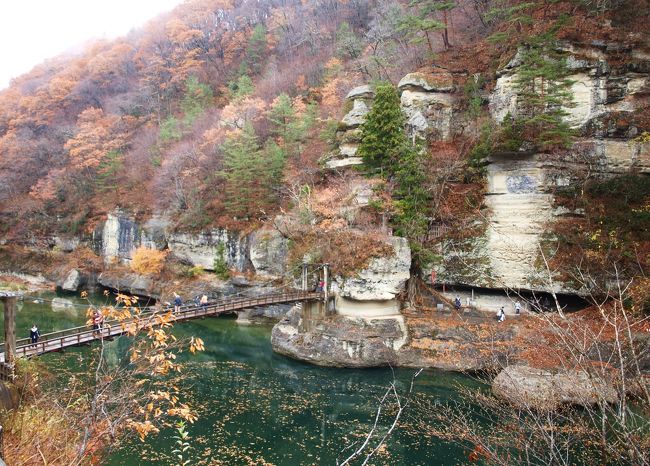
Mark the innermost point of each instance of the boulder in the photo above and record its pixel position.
(361, 92)
(63, 305)
(528, 387)
(131, 283)
(428, 103)
(436, 81)
(357, 116)
(72, 281)
(383, 279)
(340, 341)
(66, 244)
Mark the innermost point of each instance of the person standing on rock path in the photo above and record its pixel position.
(457, 303)
(501, 315)
(517, 307)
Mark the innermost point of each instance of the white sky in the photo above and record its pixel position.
(33, 30)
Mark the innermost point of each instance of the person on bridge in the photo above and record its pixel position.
(178, 302)
(457, 303)
(34, 333)
(204, 301)
(98, 319)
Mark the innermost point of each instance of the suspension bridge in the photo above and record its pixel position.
(142, 320)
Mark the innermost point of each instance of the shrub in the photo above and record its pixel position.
(191, 272)
(148, 261)
(220, 264)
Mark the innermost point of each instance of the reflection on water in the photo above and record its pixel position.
(256, 407)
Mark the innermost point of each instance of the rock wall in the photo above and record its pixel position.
(262, 251)
(610, 83)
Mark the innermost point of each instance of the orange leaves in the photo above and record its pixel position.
(184, 412)
(97, 136)
(196, 344)
(148, 261)
(235, 115)
(143, 429)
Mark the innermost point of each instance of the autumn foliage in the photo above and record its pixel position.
(147, 261)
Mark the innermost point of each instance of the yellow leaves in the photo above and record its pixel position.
(184, 412)
(126, 299)
(143, 429)
(196, 344)
(148, 261)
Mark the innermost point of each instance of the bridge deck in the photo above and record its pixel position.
(74, 336)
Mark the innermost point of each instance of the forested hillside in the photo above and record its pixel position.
(221, 113)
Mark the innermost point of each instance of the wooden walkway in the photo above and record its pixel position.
(59, 340)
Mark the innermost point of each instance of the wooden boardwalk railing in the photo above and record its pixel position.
(74, 336)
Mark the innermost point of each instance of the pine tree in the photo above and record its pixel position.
(198, 96)
(543, 93)
(383, 137)
(282, 116)
(239, 158)
(252, 174)
(424, 21)
(256, 50)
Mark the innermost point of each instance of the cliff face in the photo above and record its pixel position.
(610, 88)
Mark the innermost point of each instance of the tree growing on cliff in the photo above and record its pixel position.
(383, 141)
(544, 92)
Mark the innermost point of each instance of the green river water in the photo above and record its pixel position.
(259, 408)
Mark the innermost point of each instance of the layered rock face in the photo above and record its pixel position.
(262, 251)
(519, 208)
(607, 93)
(428, 102)
(348, 136)
(427, 99)
(367, 330)
(528, 387)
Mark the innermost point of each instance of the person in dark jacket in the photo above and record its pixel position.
(34, 333)
(178, 302)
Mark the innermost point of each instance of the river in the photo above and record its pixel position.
(258, 408)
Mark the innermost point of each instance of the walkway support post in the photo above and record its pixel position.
(9, 301)
(326, 283)
(303, 277)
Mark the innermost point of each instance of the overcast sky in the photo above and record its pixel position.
(33, 30)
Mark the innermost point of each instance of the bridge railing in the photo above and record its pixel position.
(148, 318)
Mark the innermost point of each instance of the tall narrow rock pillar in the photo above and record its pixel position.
(9, 302)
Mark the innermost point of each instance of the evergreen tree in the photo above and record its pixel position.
(220, 264)
(242, 87)
(543, 93)
(290, 128)
(348, 45)
(239, 158)
(423, 21)
(383, 137)
(197, 98)
(282, 116)
(256, 50)
(252, 175)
